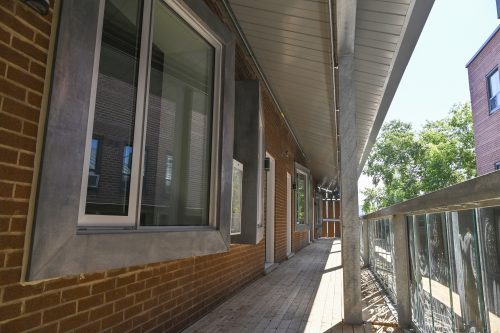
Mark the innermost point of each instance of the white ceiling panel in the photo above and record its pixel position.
(292, 44)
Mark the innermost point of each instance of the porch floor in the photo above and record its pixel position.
(304, 294)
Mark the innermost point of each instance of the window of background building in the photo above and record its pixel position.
(494, 91)
(497, 166)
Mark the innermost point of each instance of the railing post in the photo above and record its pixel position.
(364, 241)
(402, 270)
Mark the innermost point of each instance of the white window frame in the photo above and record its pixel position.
(304, 171)
(132, 219)
(488, 88)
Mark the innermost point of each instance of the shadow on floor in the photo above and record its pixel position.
(377, 307)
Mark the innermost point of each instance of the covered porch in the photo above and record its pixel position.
(304, 294)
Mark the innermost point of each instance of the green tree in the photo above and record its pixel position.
(404, 163)
(393, 165)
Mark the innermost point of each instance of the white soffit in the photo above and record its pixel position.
(386, 34)
(292, 43)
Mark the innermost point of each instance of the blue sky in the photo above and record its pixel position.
(436, 78)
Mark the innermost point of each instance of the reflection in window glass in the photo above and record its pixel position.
(301, 198)
(236, 198)
(94, 148)
(168, 171)
(115, 105)
(179, 120)
(494, 90)
(126, 168)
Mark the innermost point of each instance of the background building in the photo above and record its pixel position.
(484, 84)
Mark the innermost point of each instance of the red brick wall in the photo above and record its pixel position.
(486, 126)
(280, 144)
(161, 297)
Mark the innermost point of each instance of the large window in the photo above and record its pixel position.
(494, 90)
(173, 123)
(140, 130)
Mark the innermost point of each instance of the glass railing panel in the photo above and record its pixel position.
(446, 286)
(420, 285)
(381, 253)
(489, 240)
(439, 272)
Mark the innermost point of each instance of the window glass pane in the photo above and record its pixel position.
(494, 84)
(176, 181)
(494, 90)
(301, 200)
(94, 147)
(115, 105)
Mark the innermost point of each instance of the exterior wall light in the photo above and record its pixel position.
(41, 6)
(267, 164)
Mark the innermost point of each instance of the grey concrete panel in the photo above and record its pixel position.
(64, 143)
(227, 139)
(57, 248)
(246, 151)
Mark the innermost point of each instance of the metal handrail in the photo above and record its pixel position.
(483, 191)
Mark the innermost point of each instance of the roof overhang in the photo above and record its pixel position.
(295, 44)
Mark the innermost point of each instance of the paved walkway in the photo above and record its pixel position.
(304, 294)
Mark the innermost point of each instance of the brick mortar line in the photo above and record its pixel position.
(30, 58)
(19, 85)
(26, 23)
(32, 42)
(36, 123)
(19, 150)
(27, 71)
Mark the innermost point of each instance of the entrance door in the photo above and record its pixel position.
(270, 190)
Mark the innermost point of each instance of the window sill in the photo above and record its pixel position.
(142, 229)
(92, 251)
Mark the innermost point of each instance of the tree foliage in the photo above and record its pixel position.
(405, 163)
